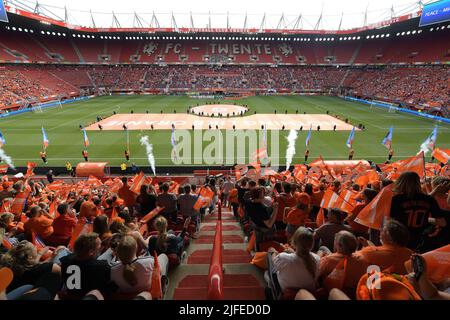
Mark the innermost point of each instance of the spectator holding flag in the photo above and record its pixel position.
(43, 156)
(416, 210)
(45, 143)
(387, 142)
(2, 140)
(430, 143)
(85, 155)
(350, 144)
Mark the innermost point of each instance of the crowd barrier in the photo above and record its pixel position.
(43, 106)
(404, 110)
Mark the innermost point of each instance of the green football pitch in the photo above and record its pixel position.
(24, 139)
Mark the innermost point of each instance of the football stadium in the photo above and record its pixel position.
(212, 153)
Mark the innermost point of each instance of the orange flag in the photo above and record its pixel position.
(52, 210)
(19, 201)
(174, 187)
(442, 155)
(116, 185)
(6, 206)
(240, 170)
(30, 169)
(55, 186)
(336, 278)
(415, 164)
(299, 171)
(81, 228)
(156, 289)
(374, 213)
(329, 200)
(438, 264)
(369, 176)
(94, 182)
(138, 181)
(348, 200)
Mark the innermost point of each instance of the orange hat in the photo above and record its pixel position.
(303, 198)
(386, 287)
(6, 277)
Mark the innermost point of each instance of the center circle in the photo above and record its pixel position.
(215, 110)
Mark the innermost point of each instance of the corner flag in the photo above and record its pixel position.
(350, 138)
(429, 144)
(86, 140)
(308, 137)
(174, 145)
(387, 141)
(2, 140)
(44, 138)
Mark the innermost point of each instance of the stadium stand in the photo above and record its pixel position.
(421, 87)
(292, 231)
(284, 236)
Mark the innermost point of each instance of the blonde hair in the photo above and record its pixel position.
(303, 241)
(5, 219)
(160, 225)
(20, 258)
(126, 252)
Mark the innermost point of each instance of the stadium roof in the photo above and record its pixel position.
(290, 17)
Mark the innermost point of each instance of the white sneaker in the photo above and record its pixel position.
(183, 256)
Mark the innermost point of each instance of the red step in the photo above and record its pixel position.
(228, 227)
(205, 239)
(232, 293)
(230, 280)
(236, 287)
(229, 256)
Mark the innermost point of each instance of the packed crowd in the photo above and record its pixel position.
(312, 252)
(419, 85)
(425, 85)
(122, 241)
(124, 234)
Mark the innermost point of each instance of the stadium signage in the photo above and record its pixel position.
(3, 13)
(254, 31)
(435, 13)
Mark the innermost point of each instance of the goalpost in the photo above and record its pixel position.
(56, 103)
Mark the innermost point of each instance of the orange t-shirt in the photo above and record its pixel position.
(233, 196)
(284, 201)
(42, 226)
(386, 256)
(316, 198)
(356, 268)
(296, 217)
(127, 195)
(356, 227)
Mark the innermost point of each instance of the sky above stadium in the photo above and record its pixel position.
(353, 12)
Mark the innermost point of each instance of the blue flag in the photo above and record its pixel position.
(308, 137)
(430, 143)
(86, 139)
(174, 144)
(387, 141)
(2, 139)
(3, 14)
(44, 138)
(350, 138)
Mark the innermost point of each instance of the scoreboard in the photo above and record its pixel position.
(435, 12)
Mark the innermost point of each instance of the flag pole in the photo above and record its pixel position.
(424, 167)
